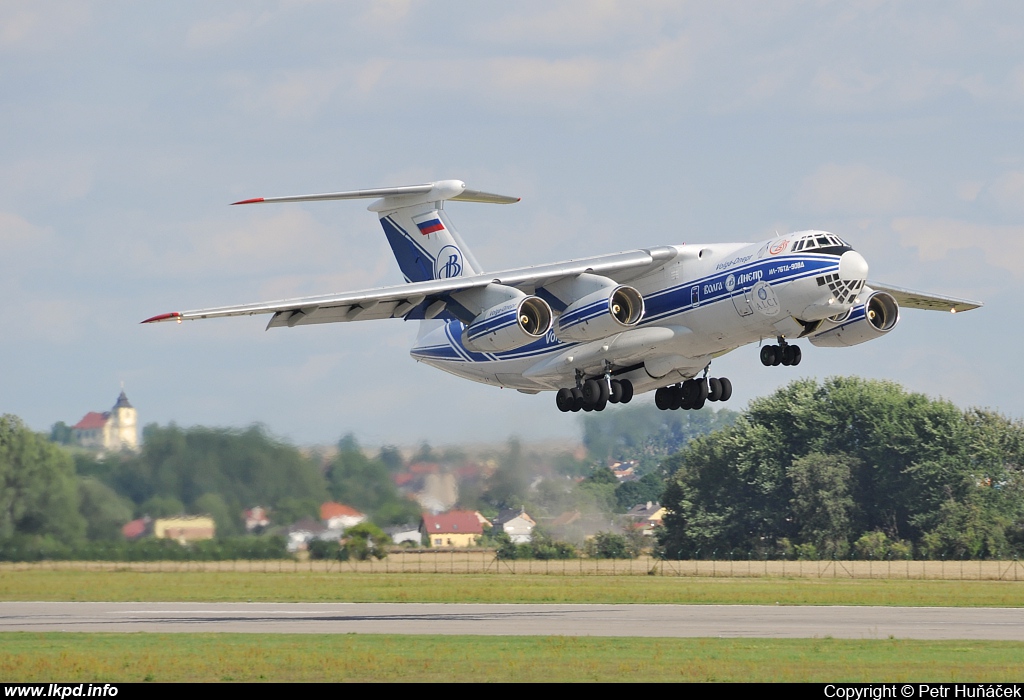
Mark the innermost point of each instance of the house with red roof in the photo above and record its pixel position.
(455, 528)
(337, 516)
(112, 430)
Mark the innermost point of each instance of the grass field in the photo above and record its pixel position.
(233, 657)
(304, 586)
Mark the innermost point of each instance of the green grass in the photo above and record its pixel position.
(82, 585)
(100, 658)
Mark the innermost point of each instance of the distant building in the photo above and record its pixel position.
(185, 528)
(647, 517)
(456, 528)
(337, 516)
(137, 528)
(403, 533)
(516, 524)
(256, 519)
(112, 431)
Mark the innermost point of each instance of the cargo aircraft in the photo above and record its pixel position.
(599, 330)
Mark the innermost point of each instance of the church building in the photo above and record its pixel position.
(112, 431)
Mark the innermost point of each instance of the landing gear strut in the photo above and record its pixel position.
(781, 354)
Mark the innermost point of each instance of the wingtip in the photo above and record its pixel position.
(174, 315)
(254, 200)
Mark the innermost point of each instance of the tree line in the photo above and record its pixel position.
(849, 468)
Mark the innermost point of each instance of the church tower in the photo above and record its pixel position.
(123, 426)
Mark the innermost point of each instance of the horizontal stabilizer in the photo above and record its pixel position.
(399, 196)
(909, 299)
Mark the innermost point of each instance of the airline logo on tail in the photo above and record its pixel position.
(449, 263)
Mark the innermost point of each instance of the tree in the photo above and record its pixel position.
(104, 511)
(366, 540)
(820, 465)
(365, 483)
(821, 501)
(38, 489)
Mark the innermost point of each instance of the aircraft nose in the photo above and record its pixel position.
(853, 266)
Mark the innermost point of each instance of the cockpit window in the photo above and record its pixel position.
(822, 243)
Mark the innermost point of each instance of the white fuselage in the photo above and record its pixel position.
(704, 302)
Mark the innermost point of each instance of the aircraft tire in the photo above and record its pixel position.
(564, 400)
(601, 405)
(591, 391)
(700, 394)
(661, 398)
(714, 389)
(797, 355)
(627, 391)
(605, 390)
(615, 395)
(726, 389)
(768, 355)
(675, 397)
(686, 395)
(577, 400)
(785, 354)
(779, 352)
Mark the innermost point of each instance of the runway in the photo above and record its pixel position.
(849, 622)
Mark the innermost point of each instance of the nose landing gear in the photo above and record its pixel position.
(781, 354)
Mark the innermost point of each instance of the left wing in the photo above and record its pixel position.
(909, 299)
(431, 296)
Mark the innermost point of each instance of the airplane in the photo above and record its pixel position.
(599, 330)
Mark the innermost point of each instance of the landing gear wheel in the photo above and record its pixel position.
(627, 391)
(564, 400)
(688, 391)
(797, 355)
(714, 389)
(786, 355)
(577, 400)
(675, 397)
(591, 391)
(726, 389)
(615, 396)
(601, 405)
(605, 392)
(661, 398)
(778, 356)
(700, 394)
(768, 356)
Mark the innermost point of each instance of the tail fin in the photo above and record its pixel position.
(424, 242)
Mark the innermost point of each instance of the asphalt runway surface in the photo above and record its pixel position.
(848, 622)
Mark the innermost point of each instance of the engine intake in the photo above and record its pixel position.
(509, 325)
(600, 314)
(873, 319)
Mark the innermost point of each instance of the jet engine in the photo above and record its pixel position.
(508, 325)
(872, 319)
(594, 307)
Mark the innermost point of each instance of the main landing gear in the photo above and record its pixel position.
(692, 394)
(594, 394)
(781, 354)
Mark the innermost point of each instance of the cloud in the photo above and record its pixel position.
(936, 238)
(16, 233)
(53, 179)
(857, 190)
(38, 25)
(1007, 191)
(217, 31)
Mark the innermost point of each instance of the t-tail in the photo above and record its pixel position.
(425, 244)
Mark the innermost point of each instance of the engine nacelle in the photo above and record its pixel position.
(601, 314)
(508, 325)
(873, 319)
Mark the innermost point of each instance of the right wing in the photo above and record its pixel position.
(909, 299)
(426, 299)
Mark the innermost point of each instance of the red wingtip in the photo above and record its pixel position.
(254, 200)
(164, 317)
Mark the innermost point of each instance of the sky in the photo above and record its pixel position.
(128, 128)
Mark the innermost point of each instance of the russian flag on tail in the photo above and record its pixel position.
(431, 225)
